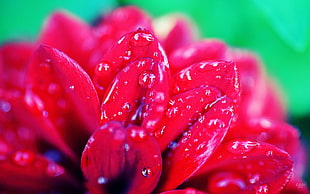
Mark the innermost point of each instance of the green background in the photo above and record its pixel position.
(278, 30)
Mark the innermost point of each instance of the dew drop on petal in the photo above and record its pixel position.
(23, 158)
(103, 67)
(269, 153)
(141, 39)
(54, 169)
(147, 79)
(126, 107)
(146, 172)
(262, 189)
(137, 134)
(226, 182)
(126, 147)
(241, 147)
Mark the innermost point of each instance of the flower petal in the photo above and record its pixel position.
(184, 191)
(13, 59)
(131, 47)
(244, 166)
(115, 160)
(70, 35)
(210, 49)
(196, 145)
(24, 170)
(174, 31)
(61, 96)
(220, 74)
(183, 111)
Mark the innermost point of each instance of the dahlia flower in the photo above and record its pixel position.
(135, 105)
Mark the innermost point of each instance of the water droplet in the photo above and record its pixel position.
(126, 147)
(5, 106)
(160, 132)
(254, 178)
(126, 107)
(102, 180)
(127, 55)
(141, 39)
(269, 153)
(103, 67)
(71, 88)
(23, 158)
(262, 189)
(147, 79)
(226, 182)
(146, 172)
(173, 111)
(54, 169)
(137, 134)
(241, 147)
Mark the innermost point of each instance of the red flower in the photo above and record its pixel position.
(134, 106)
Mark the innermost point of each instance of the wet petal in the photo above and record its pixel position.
(182, 112)
(113, 26)
(184, 191)
(115, 160)
(244, 166)
(70, 35)
(131, 47)
(210, 49)
(220, 74)
(196, 145)
(24, 170)
(60, 94)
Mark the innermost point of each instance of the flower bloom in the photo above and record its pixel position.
(137, 106)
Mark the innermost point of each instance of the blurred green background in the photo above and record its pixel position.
(278, 30)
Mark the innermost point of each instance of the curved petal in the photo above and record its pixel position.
(196, 145)
(244, 166)
(24, 170)
(182, 112)
(13, 59)
(131, 47)
(118, 160)
(184, 191)
(139, 94)
(209, 49)
(220, 74)
(70, 35)
(174, 31)
(113, 26)
(61, 97)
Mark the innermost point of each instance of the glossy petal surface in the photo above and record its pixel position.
(244, 166)
(115, 160)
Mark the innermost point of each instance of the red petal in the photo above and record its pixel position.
(184, 191)
(183, 110)
(196, 145)
(114, 25)
(174, 32)
(26, 171)
(118, 160)
(201, 51)
(131, 47)
(266, 130)
(221, 74)
(243, 166)
(70, 35)
(13, 59)
(139, 94)
(60, 95)
(296, 185)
